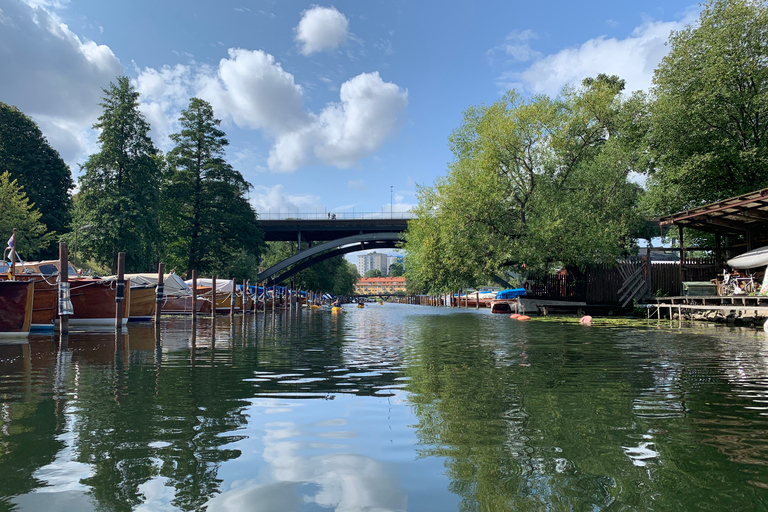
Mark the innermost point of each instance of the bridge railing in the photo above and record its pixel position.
(334, 215)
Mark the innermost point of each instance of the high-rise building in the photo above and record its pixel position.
(374, 260)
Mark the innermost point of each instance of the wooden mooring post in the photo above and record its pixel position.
(213, 297)
(119, 291)
(63, 286)
(194, 299)
(159, 291)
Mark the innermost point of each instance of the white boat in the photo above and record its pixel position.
(752, 259)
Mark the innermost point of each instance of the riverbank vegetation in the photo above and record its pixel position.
(540, 182)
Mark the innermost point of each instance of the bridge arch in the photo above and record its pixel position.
(316, 254)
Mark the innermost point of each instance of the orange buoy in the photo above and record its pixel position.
(514, 316)
(586, 319)
(522, 318)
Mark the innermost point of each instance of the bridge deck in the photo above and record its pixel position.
(327, 229)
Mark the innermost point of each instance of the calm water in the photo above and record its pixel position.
(387, 408)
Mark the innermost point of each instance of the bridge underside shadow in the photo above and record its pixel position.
(313, 255)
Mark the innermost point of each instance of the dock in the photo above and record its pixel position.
(736, 306)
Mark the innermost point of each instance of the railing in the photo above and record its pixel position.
(335, 215)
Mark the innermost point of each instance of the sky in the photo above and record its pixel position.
(329, 107)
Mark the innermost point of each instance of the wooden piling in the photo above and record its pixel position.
(233, 299)
(63, 280)
(13, 256)
(194, 299)
(120, 290)
(213, 296)
(160, 291)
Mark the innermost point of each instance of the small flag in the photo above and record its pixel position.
(11, 242)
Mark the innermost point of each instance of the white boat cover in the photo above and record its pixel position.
(172, 284)
(222, 285)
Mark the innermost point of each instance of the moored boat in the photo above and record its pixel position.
(93, 298)
(16, 298)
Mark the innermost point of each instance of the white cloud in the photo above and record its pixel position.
(273, 201)
(60, 77)
(516, 46)
(253, 90)
(370, 111)
(320, 29)
(633, 58)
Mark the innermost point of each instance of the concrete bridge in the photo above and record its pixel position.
(338, 237)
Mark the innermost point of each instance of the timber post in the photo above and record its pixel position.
(13, 256)
(120, 291)
(159, 291)
(63, 286)
(477, 304)
(274, 296)
(213, 297)
(233, 299)
(194, 299)
(682, 258)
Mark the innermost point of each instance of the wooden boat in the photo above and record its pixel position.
(16, 298)
(93, 298)
(143, 303)
(45, 305)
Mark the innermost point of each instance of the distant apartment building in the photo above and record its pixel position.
(374, 260)
(380, 285)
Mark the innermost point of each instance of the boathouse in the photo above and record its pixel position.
(671, 275)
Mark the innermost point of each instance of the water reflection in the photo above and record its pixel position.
(384, 408)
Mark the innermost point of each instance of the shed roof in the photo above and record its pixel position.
(736, 215)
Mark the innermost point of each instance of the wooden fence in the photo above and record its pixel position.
(600, 284)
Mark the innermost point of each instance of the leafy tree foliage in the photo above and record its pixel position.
(207, 219)
(39, 170)
(17, 212)
(374, 272)
(120, 188)
(533, 183)
(396, 269)
(709, 136)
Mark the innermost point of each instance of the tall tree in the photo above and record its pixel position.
(533, 183)
(709, 136)
(207, 220)
(119, 191)
(38, 168)
(17, 212)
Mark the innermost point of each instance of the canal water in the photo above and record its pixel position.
(386, 408)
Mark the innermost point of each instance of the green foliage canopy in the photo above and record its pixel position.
(119, 191)
(709, 129)
(17, 212)
(39, 170)
(206, 216)
(534, 182)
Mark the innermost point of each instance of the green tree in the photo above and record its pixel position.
(374, 272)
(39, 170)
(533, 183)
(119, 191)
(396, 269)
(17, 212)
(207, 219)
(709, 137)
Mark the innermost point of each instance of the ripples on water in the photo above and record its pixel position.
(386, 408)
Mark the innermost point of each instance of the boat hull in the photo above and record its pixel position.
(143, 302)
(93, 302)
(752, 259)
(16, 302)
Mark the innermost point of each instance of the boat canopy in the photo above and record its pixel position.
(172, 283)
(512, 293)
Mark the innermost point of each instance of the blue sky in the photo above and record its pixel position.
(326, 105)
